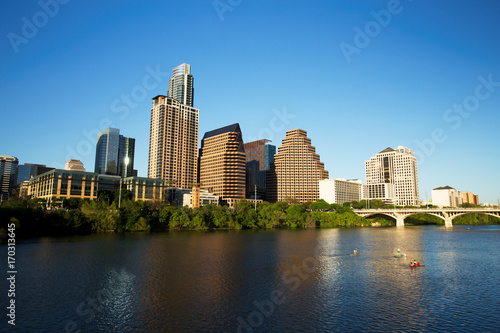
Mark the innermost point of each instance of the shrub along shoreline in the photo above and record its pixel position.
(85, 217)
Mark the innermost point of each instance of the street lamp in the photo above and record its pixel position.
(125, 160)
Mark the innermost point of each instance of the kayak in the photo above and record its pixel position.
(399, 256)
(355, 255)
(416, 265)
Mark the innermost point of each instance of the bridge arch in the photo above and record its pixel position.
(448, 215)
(424, 212)
(497, 215)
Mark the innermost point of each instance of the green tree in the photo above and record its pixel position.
(221, 218)
(105, 196)
(164, 217)
(245, 214)
(126, 196)
(468, 205)
(319, 205)
(296, 216)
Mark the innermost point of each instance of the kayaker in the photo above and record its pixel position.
(355, 252)
(399, 252)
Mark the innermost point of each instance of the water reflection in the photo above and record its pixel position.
(263, 281)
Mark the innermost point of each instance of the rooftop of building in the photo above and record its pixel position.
(387, 150)
(8, 158)
(296, 131)
(227, 129)
(444, 188)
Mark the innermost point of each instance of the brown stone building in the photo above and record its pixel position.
(297, 170)
(259, 156)
(471, 198)
(222, 163)
(173, 142)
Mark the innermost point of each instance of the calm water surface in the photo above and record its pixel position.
(261, 281)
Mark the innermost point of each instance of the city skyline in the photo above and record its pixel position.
(424, 79)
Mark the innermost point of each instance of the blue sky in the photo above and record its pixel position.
(358, 76)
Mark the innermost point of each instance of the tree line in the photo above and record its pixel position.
(36, 217)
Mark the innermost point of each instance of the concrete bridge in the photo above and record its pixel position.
(447, 214)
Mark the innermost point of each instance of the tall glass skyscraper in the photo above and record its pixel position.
(180, 85)
(8, 175)
(173, 132)
(114, 154)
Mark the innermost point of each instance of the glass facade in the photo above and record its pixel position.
(180, 85)
(87, 185)
(28, 170)
(114, 153)
(259, 156)
(8, 175)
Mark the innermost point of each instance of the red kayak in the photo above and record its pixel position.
(416, 265)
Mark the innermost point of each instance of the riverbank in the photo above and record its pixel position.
(94, 217)
(87, 217)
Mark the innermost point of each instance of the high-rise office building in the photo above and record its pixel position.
(74, 165)
(222, 163)
(383, 191)
(29, 170)
(173, 142)
(180, 85)
(297, 169)
(8, 175)
(471, 198)
(340, 190)
(259, 156)
(399, 167)
(114, 154)
(446, 196)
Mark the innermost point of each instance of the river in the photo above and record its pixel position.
(261, 281)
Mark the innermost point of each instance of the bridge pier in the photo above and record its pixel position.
(448, 222)
(400, 221)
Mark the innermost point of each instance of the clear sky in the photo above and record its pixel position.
(358, 76)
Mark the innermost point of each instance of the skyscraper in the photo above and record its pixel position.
(29, 170)
(173, 142)
(259, 156)
(296, 170)
(180, 85)
(114, 153)
(74, 165)
(222, 163)
(8, 175)
(398, 167)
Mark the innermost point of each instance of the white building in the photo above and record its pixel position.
(206, 198)
(382, 191)
(340, 190)
(184, 197)
(397, 167)
(446, 197)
